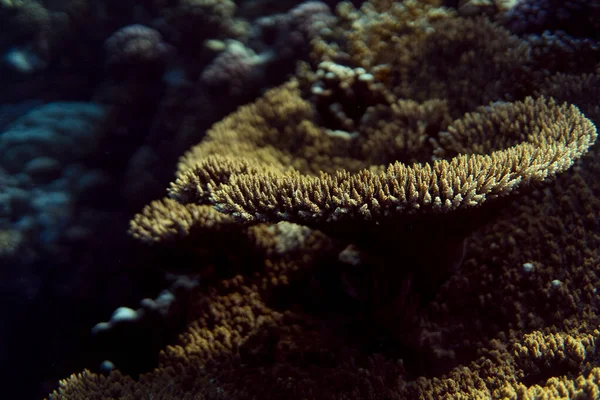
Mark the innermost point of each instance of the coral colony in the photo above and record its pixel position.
(259, 199)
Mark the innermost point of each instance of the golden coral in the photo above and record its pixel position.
(495, 150)
(525, 295)
(423, 52)
(584, 89)
(167, 220)
(272, 162)
(553, 349)
(580, 388)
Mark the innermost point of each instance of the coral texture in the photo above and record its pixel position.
(253, 182)
(135, 44)
(235, 70)
(414, 215)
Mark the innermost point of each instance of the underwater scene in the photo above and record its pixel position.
(286, 199)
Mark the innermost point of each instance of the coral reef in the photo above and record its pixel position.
(573, 16)
(44, 157)
(236, 70)
(135, 44)
(193, 20)
(413, 215)
(65, 204)
(253, 180)
(289, 34)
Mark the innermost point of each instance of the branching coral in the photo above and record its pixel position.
(268, 174)
(168, 220)
(552, 137)
(468, 62)
(429, 180)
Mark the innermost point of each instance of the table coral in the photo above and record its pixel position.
(167, 219)
(250, 194)
(447, 245)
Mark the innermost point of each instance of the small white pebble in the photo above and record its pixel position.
(100, 327)
(215, 45)
(317, 90)
(350, 255)
(556, 283)
(341, 134)
(107, 366)
(528, 267)
(23, 61)
(123, 314)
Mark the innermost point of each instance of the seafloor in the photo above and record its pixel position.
(273, 199)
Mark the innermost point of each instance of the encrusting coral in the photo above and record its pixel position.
(446, 244)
